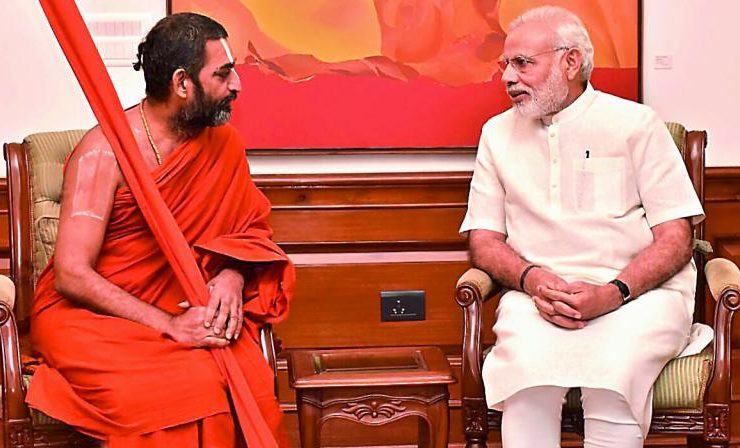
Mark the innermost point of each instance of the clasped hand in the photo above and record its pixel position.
(218, 323)
(570, 305)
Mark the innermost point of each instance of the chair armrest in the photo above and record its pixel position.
(473, 288)
(15, 410)
(474, 285)
(722, 275)
(723, 279)
(7, 291)
(270, 349)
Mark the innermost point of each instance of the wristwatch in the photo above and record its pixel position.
(623, 289)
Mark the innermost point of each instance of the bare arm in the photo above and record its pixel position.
(669, 252)
(665, 257)
(490, 252)
(90, 182)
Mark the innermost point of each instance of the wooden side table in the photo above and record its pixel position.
(372, 387)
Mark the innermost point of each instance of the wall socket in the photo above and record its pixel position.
(402, 305)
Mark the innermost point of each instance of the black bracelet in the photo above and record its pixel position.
(523, 277)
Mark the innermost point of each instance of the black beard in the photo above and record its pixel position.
(204, 112)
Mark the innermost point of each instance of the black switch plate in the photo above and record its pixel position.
(402, 305)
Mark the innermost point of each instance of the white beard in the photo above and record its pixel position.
(547, 99)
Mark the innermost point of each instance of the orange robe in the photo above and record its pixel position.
(116, 379)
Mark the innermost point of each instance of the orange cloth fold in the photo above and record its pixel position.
(154, 259)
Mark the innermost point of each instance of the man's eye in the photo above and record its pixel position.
(519, 62)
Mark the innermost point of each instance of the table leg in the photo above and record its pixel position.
(309, 422)
(434, 430)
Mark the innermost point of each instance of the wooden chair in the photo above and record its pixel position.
(34, 170)
(692, 394)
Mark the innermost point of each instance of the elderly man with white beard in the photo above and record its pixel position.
(580, 205)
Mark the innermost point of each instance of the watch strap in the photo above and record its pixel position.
(623, 289)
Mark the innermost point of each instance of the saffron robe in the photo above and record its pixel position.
(109, 376)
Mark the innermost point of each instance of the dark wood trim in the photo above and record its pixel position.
(361, 179)
(313, 152)
(723, 172)
(4, 221)
(722, 184)
(307, 247)
(20, 238)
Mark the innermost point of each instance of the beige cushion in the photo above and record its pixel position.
(47, 153)
(680, 385)
(678, 132)
(7, 291)
(47, 224)
(682, 382)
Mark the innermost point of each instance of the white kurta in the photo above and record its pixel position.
(579, 197)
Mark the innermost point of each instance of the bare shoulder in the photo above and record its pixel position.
(93, 154)
(93, 141)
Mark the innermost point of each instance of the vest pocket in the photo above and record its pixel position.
(599, 185)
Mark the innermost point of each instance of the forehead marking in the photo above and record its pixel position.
(227, 49)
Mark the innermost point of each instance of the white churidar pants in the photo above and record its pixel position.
(532, 419)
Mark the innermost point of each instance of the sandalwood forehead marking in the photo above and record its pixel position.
(227, 50)
(94, 169)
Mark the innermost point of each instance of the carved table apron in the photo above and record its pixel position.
(372, 387)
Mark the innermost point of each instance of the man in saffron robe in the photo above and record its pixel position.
(126, 358)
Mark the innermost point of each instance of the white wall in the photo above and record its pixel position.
(701, 90)
(39, 91)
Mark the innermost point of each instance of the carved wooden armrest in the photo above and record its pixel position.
(271, 347)
(722, 275)
(723, 279)
(473, 285)
(15, 412)
(473, 289)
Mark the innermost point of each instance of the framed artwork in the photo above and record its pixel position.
(392, 74)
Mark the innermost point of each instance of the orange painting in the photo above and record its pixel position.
(391, 73)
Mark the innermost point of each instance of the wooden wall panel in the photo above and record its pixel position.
(722, 207)
(430, 224)
(400, 214)
(352, 236)
(339, 305)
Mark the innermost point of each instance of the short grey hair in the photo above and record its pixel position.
(569, 30)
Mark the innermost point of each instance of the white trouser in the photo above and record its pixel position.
(532, 419)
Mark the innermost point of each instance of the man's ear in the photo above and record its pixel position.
(180, 82)
(573, 63)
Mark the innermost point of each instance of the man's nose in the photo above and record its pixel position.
(509, 76)
(235, 83)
